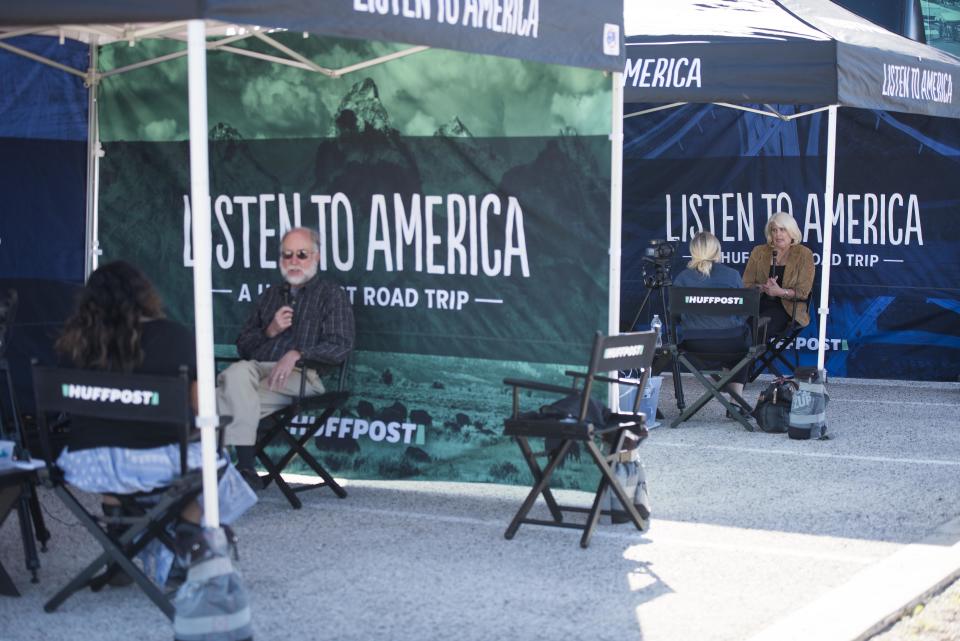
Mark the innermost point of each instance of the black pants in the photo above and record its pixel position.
(779, 318)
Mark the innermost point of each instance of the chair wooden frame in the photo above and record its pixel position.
(277, 426)
(633, 351)
(61, 391)
(718, 301)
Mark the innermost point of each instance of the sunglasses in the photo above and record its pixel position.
(301, 254)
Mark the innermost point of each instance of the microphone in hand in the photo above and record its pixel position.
(773, 265)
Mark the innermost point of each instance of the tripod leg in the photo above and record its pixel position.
(675, 366)
(39, 525)
(26, 534)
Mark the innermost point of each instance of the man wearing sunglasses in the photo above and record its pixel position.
(303, 317)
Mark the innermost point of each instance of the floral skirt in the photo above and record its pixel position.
(119, 470)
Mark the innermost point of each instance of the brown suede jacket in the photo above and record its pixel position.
(797, 275)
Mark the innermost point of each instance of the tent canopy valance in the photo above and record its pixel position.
(567, 32)
(809, 52)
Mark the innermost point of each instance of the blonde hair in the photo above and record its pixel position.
(781, 219)
(704, 252)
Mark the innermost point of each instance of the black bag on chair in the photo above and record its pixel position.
(773, 407)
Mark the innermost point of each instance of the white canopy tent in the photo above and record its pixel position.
(754, 54)
(564, 32)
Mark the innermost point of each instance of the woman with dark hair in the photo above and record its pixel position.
(118, 326)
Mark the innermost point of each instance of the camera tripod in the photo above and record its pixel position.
(661, 282)
(32, 526)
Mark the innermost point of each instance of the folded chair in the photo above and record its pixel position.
(280, 427)
(146, 516)
(715, 301)
(602, 436)
(777, 347)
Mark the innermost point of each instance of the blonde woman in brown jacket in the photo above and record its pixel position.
(783, 271)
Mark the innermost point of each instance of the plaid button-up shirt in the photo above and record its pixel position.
(322, 324)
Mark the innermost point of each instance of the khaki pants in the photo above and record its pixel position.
(243, 394)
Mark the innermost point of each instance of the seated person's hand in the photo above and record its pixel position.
(281, 371)
(282, 320)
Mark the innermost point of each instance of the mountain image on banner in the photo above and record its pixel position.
(363, 99)
(222, 131)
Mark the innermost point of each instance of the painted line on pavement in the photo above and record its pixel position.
(834, 399)
(845, 457)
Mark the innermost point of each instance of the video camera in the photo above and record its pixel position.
(660, 251)
(659, 255)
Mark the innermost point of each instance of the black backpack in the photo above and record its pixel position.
(773, 407)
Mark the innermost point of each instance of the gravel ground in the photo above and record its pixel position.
(938, 619)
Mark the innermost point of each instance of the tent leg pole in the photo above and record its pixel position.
(616, 214)
(91, 258)
(825, 259)
(202, 280)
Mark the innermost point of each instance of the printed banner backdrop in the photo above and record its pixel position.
(894, 300)
(462, 202)
(43, 131)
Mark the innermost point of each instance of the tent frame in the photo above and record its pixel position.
(823, 309)
(195, 33)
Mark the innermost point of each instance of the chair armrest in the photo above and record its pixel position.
(536, 385)
(314, 364)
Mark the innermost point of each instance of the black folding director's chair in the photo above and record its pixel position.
(278, 425)
(603, 440)
(716, 301)
(775, 355)
(147, 515)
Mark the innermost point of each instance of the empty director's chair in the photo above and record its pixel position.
(121, 397)
(601, 435)
(280, 428)
(707, 367)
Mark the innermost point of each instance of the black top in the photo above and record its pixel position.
(772, 302)
(166, 346)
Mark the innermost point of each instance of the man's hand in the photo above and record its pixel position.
(281, 322)
(281, 371)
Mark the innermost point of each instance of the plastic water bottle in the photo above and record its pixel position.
(657, 326)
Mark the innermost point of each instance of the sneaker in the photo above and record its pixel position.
(252, 478)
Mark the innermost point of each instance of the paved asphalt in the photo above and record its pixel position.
(753, 536)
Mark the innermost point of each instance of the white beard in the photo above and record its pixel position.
(302, 276)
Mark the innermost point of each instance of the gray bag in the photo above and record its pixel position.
(633, 477)
(212, 604)
(808, 409)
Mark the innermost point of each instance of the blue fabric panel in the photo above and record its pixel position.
(40, 101)
(43, 183)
